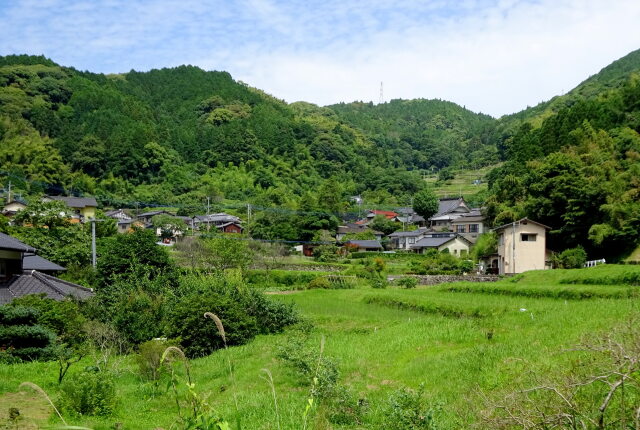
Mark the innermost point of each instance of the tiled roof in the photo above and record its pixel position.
(448, 205)
(412, 233)
(13, 244)
(432, 242)
(522, 221)
(38, 283)
(76, 202)
(35, 262)
(365, 243)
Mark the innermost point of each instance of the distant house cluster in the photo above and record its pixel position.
(455, 227)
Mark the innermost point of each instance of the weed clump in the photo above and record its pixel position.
(405, 410)
(89, 393)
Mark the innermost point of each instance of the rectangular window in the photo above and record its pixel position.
(501, 239)
(412, 240)
(473, 228)
(528, 237)
(460, 229)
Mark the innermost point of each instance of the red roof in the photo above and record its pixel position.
(387, 214)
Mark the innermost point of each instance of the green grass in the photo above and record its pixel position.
(383, 340)
(461, 184)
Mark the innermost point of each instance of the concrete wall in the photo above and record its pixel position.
(518, 255)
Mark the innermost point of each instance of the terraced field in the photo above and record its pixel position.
(464, 342)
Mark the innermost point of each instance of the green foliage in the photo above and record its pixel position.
(408, 282)
(326, 253)
(134, 255)
(149, 359)
(227, 252)
(198, 335)
(573, 258)
(320, 282)
(384, 225)
(89, 393)
(21, 337)
(426, 203)
(486, 244)
(441, 263)
(169, 226)
(405, 410)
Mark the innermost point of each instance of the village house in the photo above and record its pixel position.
(470, 225)
(454, 243)
(408, 216)
(84, 208)
(404, 240)
(12, 207)
(449, 209)
(521, 246)
(371, 214)
(222, 221)
(20, 274)
(364, 245)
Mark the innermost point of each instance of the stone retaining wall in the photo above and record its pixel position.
(441, 279)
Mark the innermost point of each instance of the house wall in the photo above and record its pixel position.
(88, 212)
(516, 255)
(10, 263)
(14, 207)
(232, 229)
(456, 247)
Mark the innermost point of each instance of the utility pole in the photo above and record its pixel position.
(9, 194)
(208, 219)
(94, 260)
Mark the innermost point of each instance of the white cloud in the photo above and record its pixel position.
(494, 56)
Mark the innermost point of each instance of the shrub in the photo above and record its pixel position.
(272, 316)
(22, 337)
(136, 316)
(573, 258)
(405, 410)
(326, 253)
(408, 282)
(149, 358)
(89, 393)
(199, 336)
(319, 282)
(466, 266)
(379, 283)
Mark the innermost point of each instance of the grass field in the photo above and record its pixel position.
(456, 339)
(462, 183)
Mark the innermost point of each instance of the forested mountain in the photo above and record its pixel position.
(176, 136)
(179, 135)
(425, 134)
(576, 167)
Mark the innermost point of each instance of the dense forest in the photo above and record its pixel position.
(177, 136)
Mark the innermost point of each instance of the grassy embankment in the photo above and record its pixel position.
(456, 339)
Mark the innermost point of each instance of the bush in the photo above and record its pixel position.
(573, 258)
(22, 337)
(272, 316)
(408, 282)
(466, 266)
(137, 315)
(319, 282)
(406, 411)
(89, 393)
(379, 283)
(326, 253)
(198, 335)
(149, 359)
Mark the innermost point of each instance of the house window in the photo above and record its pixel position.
(528, 237)
(460, 229)
(473, 228)
(501, 239)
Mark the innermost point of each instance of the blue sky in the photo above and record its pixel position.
(493, 56)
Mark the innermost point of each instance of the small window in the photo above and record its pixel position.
(460, 228)
(501, 239)
(473, 228)
(412, 240)
(528, 237)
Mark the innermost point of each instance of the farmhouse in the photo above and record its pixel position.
(19, 275)
(456, 244)
(404, 240)
(12, 207)
(449, 209)
(83, 207)
(364, 245)
(353, 229)
(521, 246)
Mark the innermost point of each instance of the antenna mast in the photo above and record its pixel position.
(381, 101)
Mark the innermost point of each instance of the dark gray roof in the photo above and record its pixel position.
(38, 283)
(412, 233)
(448, 205)
(432, 242)
(365, 243)
(35, 262)
(463, 219)
(154, 213)
(13, 244)
(76, 202)
(522, 221)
